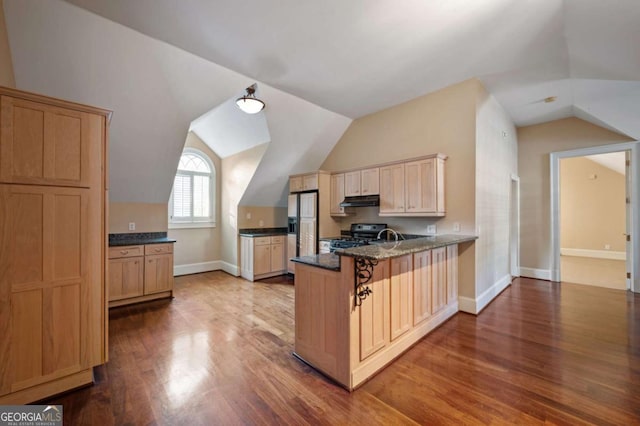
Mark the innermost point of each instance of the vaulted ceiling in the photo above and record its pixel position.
(357, 57)
(162, 63)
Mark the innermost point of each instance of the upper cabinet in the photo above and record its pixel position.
(362, 182)
(307, 182)
(413, 188)
(337, 194)
(46, 144)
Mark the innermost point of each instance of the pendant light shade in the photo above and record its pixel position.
(249, 103)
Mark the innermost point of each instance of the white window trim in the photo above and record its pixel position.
(206, 222)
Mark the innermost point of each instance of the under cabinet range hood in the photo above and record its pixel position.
(362, 201)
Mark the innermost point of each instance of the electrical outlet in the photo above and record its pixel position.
(132, 226)
(607, 247)
(248, 215)
(431, 229)
(261, 223)
(456, 227)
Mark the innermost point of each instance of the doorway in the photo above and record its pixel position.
(514, 227)
(632, 210)
(593, 222)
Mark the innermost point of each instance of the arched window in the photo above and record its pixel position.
(193, 196)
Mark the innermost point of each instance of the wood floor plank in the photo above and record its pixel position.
(221, 353)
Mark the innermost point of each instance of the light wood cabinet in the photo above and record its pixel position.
(413, 188)
(422, 282)
(262, 257)
(52, 245)
(452, 274)
(373, 318)
(401, 300)
(140, 273)
(392, 189)
(439, 278)
(337, 194)
(306, 182)
(292, 205)
(126, 278)
(362, 182)
(295, 184)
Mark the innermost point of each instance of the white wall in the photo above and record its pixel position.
(496, 162)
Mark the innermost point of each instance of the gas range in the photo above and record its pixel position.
(360, 234)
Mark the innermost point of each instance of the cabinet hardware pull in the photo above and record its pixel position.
(124, 251)
(158, 249)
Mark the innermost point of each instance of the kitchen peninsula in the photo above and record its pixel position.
(358, 309)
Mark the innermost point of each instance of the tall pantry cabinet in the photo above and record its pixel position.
(53, 195)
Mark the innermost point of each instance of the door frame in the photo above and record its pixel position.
(514, 226)
(555, 157)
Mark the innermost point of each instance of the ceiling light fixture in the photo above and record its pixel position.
(249, 103)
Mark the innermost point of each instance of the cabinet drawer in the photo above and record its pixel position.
(158, 248)
(279, 239)
(125, 251)
(262, 241)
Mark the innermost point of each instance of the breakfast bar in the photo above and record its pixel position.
(358, 309)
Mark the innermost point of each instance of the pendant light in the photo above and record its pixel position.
(249, 103)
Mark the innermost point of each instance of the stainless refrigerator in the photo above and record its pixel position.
(302, 239)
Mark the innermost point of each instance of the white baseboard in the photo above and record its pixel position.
(230, 268)
(214, 265)
(196, 268)
(540, 274)
(596, 254)
(474, 306)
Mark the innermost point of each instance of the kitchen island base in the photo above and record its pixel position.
(349, 337)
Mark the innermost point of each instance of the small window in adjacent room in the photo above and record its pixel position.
(193, 196)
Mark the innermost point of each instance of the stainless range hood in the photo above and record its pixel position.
(362, 201)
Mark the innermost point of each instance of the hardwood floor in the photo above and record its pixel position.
(220, 353)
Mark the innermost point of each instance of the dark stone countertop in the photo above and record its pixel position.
(139, 238)
(325, 261)
(262, 232)
(380, 251)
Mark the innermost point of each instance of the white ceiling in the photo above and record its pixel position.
(358, 57)
(614, 161)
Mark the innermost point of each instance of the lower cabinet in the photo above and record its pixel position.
(140, 273)
(262, 257)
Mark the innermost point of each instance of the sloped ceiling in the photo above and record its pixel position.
(355, 58)
(155, 91)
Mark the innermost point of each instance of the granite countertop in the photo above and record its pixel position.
(139, 238)
(262, 232)
(391, 249)
(325, 261)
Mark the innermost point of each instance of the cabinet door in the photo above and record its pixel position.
(421, 286)
(310, 182)
(291, 252)
(337, 194)
(158, 273)
(46, 145)
(452, 273)
(308, 205)
(401, 299)
(126, 278)
(51, 284)
(370, 181)
(352, 184)
(374, 313)
(420, 183)
(392, 189)
(295, 184)
(307, 237)
(439, 271)
(277, 257)
(261, 259)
